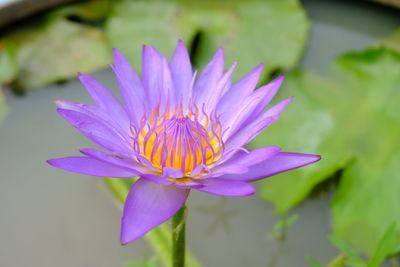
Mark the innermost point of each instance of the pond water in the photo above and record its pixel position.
(55, 218)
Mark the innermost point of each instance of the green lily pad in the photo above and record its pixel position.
(56, 50)
(366, 203)
(274, 32)
(308, 125)
(353, 121)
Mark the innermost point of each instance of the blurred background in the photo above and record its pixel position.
(341, 60)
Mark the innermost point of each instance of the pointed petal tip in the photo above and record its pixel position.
(125, 239)
(116, 51)
(278, 80)
(84, 77)
(181, 43)
(80, 75)
(317, 158)
(117, 54)
(219, 53)
(59, 102)
(180, 50)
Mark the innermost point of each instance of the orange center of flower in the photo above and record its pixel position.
(179, 141)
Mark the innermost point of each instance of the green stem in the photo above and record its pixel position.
(178, 238)
(338, 261)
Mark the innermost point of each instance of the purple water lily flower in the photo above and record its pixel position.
(177, 132)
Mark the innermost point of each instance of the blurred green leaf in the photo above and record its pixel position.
(352, 117)
(314, 262)
(385, 246)
(146, 262)
(8, 62)
(89, 10)
(274, 32)
(308, 125)
(56, 50)
(392, 41)
(160, 237)
(339, 261)
(347, 250)
(367, 199)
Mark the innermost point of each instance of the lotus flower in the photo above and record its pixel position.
(177, 132)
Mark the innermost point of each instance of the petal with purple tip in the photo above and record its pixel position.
(252, 106)
(95, 112)
(152, 75)
(104, 99)
(251, 130)
(91, 166)
(206, 92)
(281, 162)
(249, 158)
(267, 93)
(97, 131)
(239, 91)
(247, 133)
(181, 71)
(147, 206)
(222, 187)
(130, 85)
(130, 164)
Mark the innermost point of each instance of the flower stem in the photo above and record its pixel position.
(178, 238)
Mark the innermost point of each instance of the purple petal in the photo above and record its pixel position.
(156, 179)
(225, 83)
(199, 169)
(281, 162)
(130, 164)
(251, 130)
(105, 99)
(188, 183)
(181, 70)
(172, 172)
(266, 93)
(91, 166)
(97, 131)
(168, 95)
(252, 106)
(247, 133)
(239, 114)
(130, 85)
(206, 91)
(152, 75)
(227, 188)
(249, 157)
(239, 91)
(147, 206)
(96, 113)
